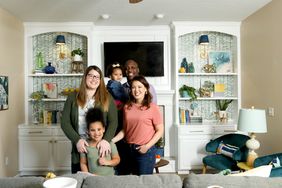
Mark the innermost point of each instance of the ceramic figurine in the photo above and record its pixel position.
(191, 68)
(184, 64)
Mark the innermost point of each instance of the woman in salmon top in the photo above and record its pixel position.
(142, 128)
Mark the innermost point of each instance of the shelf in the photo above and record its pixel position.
(50, 100)
(53, 75)
(207, 124)
(207, 74)
(209, 98)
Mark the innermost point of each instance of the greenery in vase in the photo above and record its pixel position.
(37, 95)
(222, 105)
(37, 106)
(190, 90)
(77, 51)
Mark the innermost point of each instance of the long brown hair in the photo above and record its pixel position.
(148, 96)
(101, 94)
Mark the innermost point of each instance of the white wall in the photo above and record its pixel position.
(261, 70)
(11, 65)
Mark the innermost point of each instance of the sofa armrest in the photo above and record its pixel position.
(212, 145)
(276, 172)
(264, 160)
(241, 154)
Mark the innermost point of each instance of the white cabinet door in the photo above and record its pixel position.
(192, 151)
(62, 154)
(35, 153)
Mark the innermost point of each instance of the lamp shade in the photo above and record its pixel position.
(204, 39)
(252, 121)
(60, 39)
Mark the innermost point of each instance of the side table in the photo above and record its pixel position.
(161, 163)
(244, 166)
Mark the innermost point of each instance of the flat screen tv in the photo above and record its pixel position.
(148, 55)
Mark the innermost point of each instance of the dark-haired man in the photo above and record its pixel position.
(131, 70)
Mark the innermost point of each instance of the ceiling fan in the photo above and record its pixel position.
(134, 1)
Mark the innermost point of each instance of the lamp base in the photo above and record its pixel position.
(253, 145)
(251, 158)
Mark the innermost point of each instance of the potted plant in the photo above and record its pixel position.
(222, 106)
(77, 54)
(187, 91)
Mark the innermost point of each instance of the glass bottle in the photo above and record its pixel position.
(39, 61)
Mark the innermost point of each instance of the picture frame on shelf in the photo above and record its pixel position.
(221, 60)
(4, 95)
(50, 90)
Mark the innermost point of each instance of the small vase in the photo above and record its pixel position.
(49, 69)
(77, 57)
(39, 61)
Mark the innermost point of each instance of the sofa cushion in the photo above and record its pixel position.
(205, 180)
(220, 162)
(132, 181)
(21, 182)
(262, 171)
(80, 177)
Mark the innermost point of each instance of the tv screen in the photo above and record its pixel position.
(148, 55)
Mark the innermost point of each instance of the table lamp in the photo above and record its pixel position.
(252, 121)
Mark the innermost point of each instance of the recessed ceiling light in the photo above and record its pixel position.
(159, 16)
(105, 16)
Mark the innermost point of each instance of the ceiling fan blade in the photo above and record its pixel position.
(134, 1)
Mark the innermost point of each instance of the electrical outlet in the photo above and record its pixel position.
(271, 111)
(6, 161)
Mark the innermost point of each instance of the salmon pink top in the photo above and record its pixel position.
(139, 124)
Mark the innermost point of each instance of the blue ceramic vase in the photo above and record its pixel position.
(49, 69)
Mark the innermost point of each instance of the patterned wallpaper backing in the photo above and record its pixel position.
(46, 44)
(189, 48)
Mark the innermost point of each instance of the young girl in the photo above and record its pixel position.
(90, 161)
(114, 85)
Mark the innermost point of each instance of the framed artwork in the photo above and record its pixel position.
(4, 92)
(221, 60)
(50, 90)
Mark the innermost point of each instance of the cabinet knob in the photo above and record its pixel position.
(55, 141)
(50, 141)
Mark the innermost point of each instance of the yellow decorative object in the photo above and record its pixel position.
(182, 70)
(50, 175)
(67, 91)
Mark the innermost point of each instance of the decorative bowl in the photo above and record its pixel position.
(60, 182)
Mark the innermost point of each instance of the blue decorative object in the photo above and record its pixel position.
(204, 39)
(60, 39)
(191, 68)
(49, 69)
(184, 64)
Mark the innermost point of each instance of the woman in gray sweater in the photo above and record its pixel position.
(92, 94)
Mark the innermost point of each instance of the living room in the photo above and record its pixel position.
(259, 43)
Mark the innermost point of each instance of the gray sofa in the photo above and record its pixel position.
(150, 181)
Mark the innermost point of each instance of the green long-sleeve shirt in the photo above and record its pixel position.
(69, 122)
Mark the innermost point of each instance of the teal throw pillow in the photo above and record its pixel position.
(226, 149)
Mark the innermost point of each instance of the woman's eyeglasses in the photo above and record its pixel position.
(92, 76)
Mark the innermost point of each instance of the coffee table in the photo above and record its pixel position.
(161, 163)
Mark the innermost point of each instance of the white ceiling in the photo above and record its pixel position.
(123, 13)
